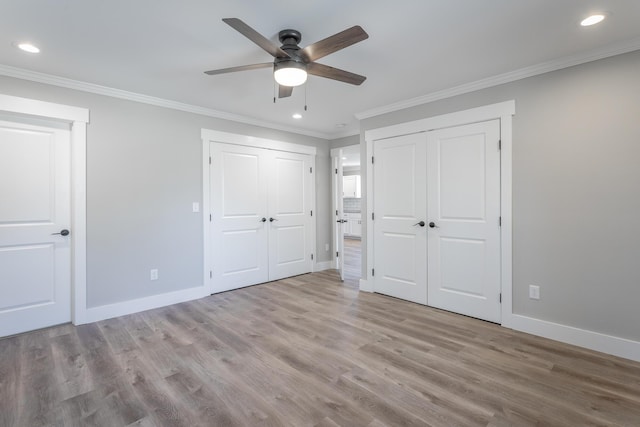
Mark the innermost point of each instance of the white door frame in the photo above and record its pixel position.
(77, 118)
(503, 111)
(208, 136)
(336, 210)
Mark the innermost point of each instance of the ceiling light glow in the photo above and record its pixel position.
(592, 20)
(28, 47)
(297, 116)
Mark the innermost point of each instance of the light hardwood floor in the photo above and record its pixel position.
(352, 262)
(307, 351)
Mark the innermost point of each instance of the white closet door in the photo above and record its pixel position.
(35, 264)
(239, 184)
(400, 247)
(464, 208)
(290, 243)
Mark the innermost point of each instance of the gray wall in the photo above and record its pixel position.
(576, 190)
(143, 174)
(345, 141)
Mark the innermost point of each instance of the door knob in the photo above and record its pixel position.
(64, 232)
(272, 219)
(421, 224)
(432, 224)
(263, 219)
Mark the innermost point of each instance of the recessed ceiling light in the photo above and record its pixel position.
(28, 47)
(297, 116)
(592, 20)
(344, 158)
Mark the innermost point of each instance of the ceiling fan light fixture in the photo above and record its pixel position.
(290, 73)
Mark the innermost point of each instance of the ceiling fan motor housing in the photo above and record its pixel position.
(290, 39)
(285, 37)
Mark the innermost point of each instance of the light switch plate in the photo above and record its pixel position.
(153, 274)
(534, 292)
(196, 207)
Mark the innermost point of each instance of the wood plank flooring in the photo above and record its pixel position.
(352, 261)
(307, 351)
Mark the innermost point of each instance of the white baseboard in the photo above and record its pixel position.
(609, 344)
(324, 265)
(364, 286)
(95, 314)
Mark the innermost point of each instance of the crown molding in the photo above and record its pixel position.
(522, 73)
(344, 134)
(35, 76)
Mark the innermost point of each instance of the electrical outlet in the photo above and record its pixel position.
(534, 292)
(196, 207)
(153, 274)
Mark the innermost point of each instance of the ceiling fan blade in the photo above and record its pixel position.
(334, 43)
(240, 68)
(284, 91)
(256, 37)
(328, 72)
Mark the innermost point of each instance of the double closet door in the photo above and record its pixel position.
(261, 215)
(437, 218)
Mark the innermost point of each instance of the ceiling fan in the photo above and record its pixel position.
(291, 63)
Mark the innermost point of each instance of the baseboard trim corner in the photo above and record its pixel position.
(364, 286)
(324, 265)
(95, 314)
(609, 344)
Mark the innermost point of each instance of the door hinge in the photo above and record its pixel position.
(336, 212)
(209, 217)
(311, 257)
(336, 171)
(500, 297)
(499, 144)
(499, 221)
(372, 160)
(337, 254)
(311, 213)
(310, 170)
(210, 274)
(373, 216)
(209, 159)
(373, 271)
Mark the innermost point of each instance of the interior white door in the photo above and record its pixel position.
(35, 290)
(400, 247)
(289, 221)
(338, 190)
(464, 209)
(239, 228)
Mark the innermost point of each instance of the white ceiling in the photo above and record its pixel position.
(415, 48)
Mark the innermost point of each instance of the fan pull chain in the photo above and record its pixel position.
(305, 96)
(274, 91)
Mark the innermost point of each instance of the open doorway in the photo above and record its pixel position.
(347, 197)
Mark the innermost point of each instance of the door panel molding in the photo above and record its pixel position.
(502, 111)
(269, 148)
(400, 245)
(463, 198)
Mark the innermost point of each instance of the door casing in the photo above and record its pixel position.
(77, 118)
